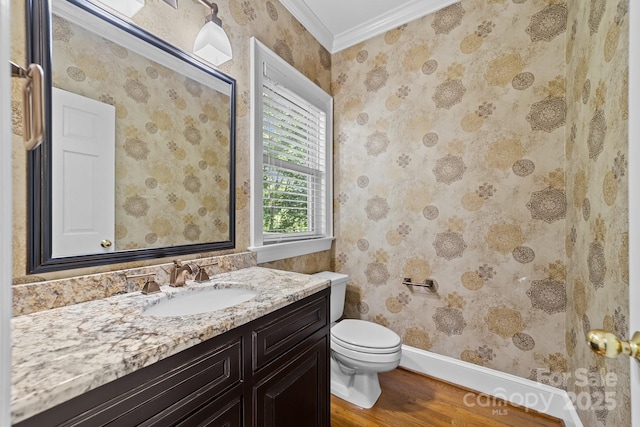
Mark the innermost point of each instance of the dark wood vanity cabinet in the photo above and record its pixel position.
(272, 371)
(290, 375)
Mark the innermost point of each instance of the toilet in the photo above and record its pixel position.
(359, 350)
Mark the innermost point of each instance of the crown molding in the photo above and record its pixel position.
(394, 18)
(310, 21)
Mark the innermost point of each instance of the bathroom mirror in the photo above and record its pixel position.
(139, 156)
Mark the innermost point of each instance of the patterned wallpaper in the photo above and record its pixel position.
(162, 118)
(450, 162)
(268, 21)
(483, 147)
(450, 166)
(597, 239)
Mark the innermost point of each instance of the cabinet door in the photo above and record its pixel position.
(296, 394)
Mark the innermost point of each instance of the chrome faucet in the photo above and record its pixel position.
(179, 273)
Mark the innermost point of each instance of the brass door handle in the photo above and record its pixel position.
(106, 243)
(608, 345)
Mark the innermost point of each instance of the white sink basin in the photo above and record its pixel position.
(199, 301)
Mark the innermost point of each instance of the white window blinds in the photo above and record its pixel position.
(294, 173)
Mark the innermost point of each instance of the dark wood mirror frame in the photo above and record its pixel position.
(39, 207)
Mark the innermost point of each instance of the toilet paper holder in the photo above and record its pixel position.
(428, 283)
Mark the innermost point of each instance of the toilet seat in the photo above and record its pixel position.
(365, 337)
(361, 349)
(368, 357)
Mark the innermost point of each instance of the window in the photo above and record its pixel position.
(291, 171)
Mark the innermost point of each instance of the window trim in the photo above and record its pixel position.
(280, 70)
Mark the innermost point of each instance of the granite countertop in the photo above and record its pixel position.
(61, 353)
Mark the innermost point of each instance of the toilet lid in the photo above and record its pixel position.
(365, 334)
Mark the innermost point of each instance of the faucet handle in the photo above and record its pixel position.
(202, 275)
(177, 263)
(150, 286)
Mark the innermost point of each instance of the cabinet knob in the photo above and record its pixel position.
(106, 243)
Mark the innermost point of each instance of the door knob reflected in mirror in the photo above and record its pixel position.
(608, 345)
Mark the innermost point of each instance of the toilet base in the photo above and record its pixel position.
(361, 388)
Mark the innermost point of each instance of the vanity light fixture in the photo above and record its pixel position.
(126, 7)
(212, 43)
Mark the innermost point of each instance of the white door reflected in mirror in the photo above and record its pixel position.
(83, 174)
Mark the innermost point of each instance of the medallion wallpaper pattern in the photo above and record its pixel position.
(450, 163)
(451, 166)
(172, 140)
(597, 239)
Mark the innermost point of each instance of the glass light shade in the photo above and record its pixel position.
(125, 7)
(212, 44)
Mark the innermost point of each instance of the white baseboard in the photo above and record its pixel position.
(519, 391)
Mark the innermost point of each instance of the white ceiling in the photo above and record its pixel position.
(339, 24)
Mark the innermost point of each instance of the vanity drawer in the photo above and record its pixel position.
(181, 383)
(185, 388)
(284, 332)
(225, 410)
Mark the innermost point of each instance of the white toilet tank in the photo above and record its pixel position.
(338, 292)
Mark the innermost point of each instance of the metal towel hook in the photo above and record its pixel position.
(32, 103)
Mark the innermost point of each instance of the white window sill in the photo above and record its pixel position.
(279, 251)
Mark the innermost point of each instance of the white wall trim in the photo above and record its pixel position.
(393, 18)
(516, 390)
(278, 251)
(6, 207)
(310, 21)
(634, 199)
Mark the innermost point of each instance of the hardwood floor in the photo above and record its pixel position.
(409, 399)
